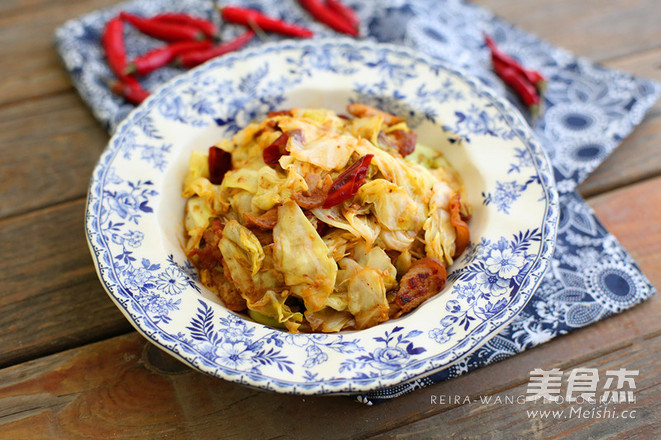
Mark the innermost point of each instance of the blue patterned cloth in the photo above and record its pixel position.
(589, 110)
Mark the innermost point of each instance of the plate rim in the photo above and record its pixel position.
(539, 267)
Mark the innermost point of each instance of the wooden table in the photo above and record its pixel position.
(71, 366)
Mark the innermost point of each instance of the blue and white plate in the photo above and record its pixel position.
(134, 217)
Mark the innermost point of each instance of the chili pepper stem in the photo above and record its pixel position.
(129, 88)
(536, 111)
(541, 86)
(258, 31)
(130, 69)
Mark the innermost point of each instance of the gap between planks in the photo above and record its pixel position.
(117, 330)
(507, 387)
(639, 351)
(75, 199)
(46, 95)
(42, 210)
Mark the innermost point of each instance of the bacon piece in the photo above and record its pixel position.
(265, 237)
(401, 140)
(424, 279)
(460, 226)
(228, 294)
(266, 221)
(274, 113)
(317, 191)
(209, 255)
(405, 141)
(361, 110)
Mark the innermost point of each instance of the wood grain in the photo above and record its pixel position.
(50, 296)
(639, 156)
(631, 214)
(119, 384)
(478, 420)
(597, 29)
(49, 142)
(48, 149)
(28, 61)
(123, 387)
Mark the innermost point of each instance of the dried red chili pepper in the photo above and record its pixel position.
(129, 88)
(532, 76)
(347, 184)
(113, 45)
(321, 228)
(345, 11)
(206, 26)
(192, 59)
(321, 12)
(523, 88)
(276, 150)
(253, 17)
(164, 31)
(220, 162)
(157, 58)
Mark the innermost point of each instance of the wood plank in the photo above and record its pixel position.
(615, 33)
(591, 29)
(28, 60)
(123, 386)
(46, 76)
(631, 214)
(17, 8)
(596, 29)
(639, 156)
(48, 148)
(50, 296)
(479, 420)
(120, 387)
(32, 70)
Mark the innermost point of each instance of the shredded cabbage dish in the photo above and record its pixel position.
(312, 221)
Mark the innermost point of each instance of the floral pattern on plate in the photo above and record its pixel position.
(134, 210)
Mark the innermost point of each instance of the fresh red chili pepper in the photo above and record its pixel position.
(206, 26)
(532, 76)
(345, 11)
(220, 162)
(347, 184)
(163, 31)
(191, 59)
(523, 88)
(329, 17)
(250, 17)
(157, 58)
(276, 150)
(129, 88)
(113, 45)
